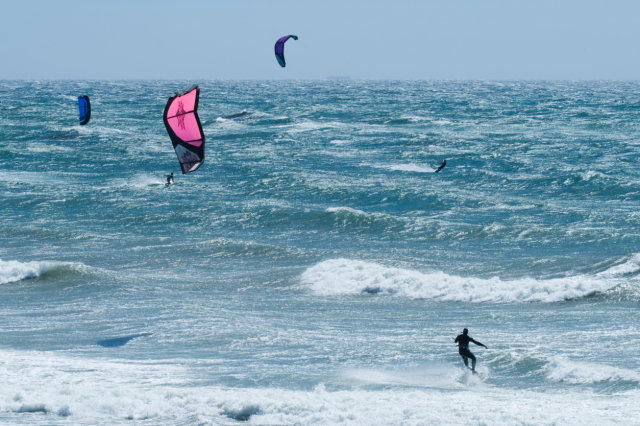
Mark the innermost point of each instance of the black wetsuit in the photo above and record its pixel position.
(463, 349)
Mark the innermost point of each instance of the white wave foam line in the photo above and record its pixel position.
(351, 277)
(414, 168)
(138, 181)
(95, 391)
(590, 174)
(416, 118)
(346, 210)
(561, 369)
(410, 168)
(433, 375)
(309, 126)
(101, 130)
(41, 147)
(143, 180)
(349, 212)
(12, 271)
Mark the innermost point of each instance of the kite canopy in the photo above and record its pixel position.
(184, 128)
(279, 48)
(84, 109)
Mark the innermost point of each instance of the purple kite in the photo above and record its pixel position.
(279, 48)
(184, 128)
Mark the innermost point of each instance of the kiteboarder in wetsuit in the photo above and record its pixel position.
(463, 348)
(170, 179)
(444, 163)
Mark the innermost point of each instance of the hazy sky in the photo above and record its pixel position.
(370, 39)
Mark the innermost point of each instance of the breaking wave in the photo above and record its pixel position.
(561, 369)
(351, 277)
(12, 270)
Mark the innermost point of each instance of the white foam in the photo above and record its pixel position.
(139, 181)
(414, 168)
(416, 118)
(12, 271)
(628, 266)
(42, 147)
(144, 180)
(433, 375)
(309, 126)
(346, 210)
(80, 390)
(590, 174)
(351, 277)
(348, 214)
(101, 130)
(561, 369)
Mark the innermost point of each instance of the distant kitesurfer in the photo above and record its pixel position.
(170, 179)
(463, 348)
(444, 163)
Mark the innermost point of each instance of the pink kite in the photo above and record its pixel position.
(184, 128)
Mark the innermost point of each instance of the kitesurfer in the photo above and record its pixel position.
(463, 348)
(170, 179)
(444, 163)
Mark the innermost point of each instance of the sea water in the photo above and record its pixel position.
(315, 269)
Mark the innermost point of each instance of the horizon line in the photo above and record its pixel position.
(334, 79)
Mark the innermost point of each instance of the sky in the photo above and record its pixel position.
(360, 39)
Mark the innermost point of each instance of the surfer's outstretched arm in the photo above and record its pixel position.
(478, 343)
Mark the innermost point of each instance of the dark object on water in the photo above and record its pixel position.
(170, 179)
(279, 48)
(84, 109)
(237, 115)
(120, 341)
(444, 163)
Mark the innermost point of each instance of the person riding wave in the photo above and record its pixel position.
(463, 348)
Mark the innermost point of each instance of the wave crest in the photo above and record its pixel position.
(350, 277)
(12, 270)
(561, 369)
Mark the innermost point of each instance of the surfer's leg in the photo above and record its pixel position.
(465, 360)
(473, 361)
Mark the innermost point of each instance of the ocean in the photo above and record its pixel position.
(315, 269)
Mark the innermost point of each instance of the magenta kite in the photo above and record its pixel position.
(184, 128)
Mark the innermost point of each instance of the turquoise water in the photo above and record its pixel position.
(315, 270)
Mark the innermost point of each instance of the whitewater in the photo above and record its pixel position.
(315, 269)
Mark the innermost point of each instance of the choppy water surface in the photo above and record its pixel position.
(315, 270)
